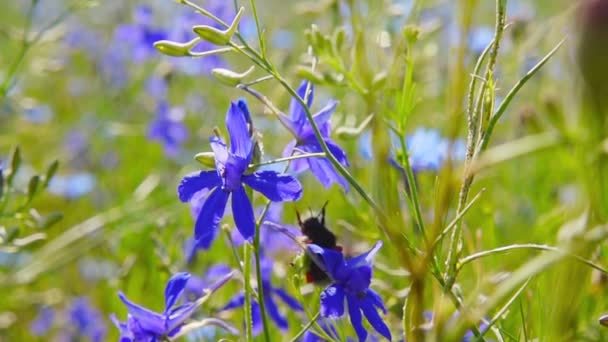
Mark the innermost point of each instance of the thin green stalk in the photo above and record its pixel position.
(505, 103)
(25, 45)
(306, 327)
(290, 158)
(248, 293)
(503, 249)
(258, 270)
(502, 310)
(259, 29)
(413, 191)
(455, 247)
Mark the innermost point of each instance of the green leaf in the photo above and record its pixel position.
(32, 188)
(49, 220)
(15, 163)
(50, 173)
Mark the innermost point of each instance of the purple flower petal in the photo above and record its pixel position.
(256, 317)
(235, 302)
(275, 186)
(240, 140)
(332, 301)
(297, 165)
(175, 288)
(211, 214)
(366, 258)
(195, 182)
(337, 152)
(332, 260)
(148, 320)
(178, 316)
(220, 151)
(287, 299)
(374, 319)
(125, 333)
(243, 213)
(273, 312)
(296, 111)
(355, 317)
(325, 113)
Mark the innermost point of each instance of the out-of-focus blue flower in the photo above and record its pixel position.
(145, 325)
(38, 114)
(306, 142)
(43, 322)
(270, 293)
(156, 87)
(427, 149)
(272, 240)
(94, 270)
(479, 38)
(350, 281)
(468, 336)
(168, 128)
(329, 329)
(140, 36)
(72, 186)
(196, 286)
(86, 321)
(228, 178)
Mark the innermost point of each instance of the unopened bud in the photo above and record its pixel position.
(175, 49)
(207, 159)
(216, 36)
(229, 77)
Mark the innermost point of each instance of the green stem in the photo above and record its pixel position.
(455, 247)
(248, 292)
(290, 158)
(259, 29)
(505, 103)
(504, 249)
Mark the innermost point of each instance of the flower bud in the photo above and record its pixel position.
(174, 49)
(229, 77)
(206, 158)
(216, 36)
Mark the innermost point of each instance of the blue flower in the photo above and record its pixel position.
(197, 285)
(228, 178)
(140, 36)
(306, 141)
(86, 321)
(43, 322)
(168, 128)
(351, 280)
(145, 325)
(270, 292)
(72, 186)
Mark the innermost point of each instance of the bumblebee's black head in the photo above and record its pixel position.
(316, 232)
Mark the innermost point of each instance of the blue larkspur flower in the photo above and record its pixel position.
(85, 321)
(168, 128)
(351, 279)
(72, 186)
(197, 285)
(41, 325)
(139, 37)
(144, 325)
(228, 179)
(270, 293)
(306, 142)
